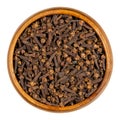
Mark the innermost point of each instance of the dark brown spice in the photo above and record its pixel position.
(59, 60)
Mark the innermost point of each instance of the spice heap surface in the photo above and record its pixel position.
(59, 60)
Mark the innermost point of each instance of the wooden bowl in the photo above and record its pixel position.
(94, 25)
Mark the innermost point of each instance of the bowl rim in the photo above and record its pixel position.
(98, 29)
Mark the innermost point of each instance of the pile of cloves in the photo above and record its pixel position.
(59, 60)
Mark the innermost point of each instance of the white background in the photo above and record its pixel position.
(13, 13)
